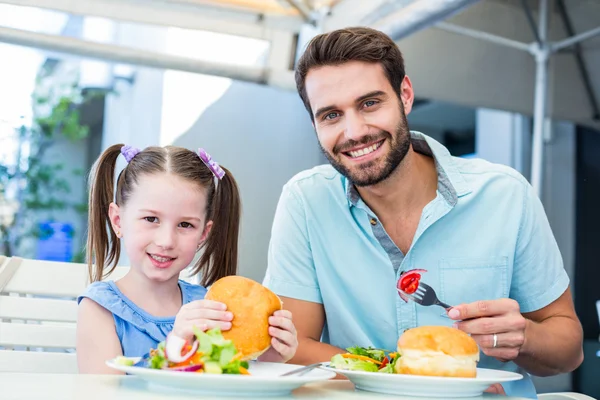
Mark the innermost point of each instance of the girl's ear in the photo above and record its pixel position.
(115, 218)
(207, 229)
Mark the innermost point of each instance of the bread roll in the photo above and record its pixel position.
(437, 351)
(251, 304)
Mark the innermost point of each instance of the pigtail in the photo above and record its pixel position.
(103, 247)
(220, 254)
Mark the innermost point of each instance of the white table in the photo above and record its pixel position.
(20, 386)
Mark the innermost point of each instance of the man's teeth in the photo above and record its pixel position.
(364, 151)
(160, 259)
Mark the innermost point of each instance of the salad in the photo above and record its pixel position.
(366, 359)
(209, 353)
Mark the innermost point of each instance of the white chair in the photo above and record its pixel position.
(564, 396)
(38, 310)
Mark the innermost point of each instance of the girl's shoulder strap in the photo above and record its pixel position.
(100, 292)
(107, 295)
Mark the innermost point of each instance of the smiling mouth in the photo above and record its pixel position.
(160, 259)
(364, 151)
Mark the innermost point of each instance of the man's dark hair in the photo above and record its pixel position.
(350, 44)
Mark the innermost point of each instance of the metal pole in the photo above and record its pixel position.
(169, 14)
(461, 30)
(422, 14)
(128, 55)
(576, 39)
(302, 9)
(531, 21)
(541, 54)
(577, 54)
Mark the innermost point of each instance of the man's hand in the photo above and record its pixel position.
(496, 388)
(497, 326)
(544, 342)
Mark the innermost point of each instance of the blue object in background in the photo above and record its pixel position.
(472, 155)
(55, 242)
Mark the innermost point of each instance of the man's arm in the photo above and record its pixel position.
(309, 319)
(292, 275)
(553, 339)
(536, 327)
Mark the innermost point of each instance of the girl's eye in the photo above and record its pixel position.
(186, 225)
(151, 219)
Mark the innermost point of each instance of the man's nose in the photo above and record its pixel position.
(355, 127)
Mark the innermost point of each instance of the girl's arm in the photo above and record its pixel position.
(97, 339)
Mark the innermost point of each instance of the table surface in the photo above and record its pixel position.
(74, 386)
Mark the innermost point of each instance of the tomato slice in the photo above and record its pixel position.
(410, 282)
(385, 362)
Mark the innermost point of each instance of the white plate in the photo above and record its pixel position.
(264, 380)
(426, 386)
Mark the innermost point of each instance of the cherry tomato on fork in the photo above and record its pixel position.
(409, 282)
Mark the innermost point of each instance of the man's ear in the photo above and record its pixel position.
(407, 95)
(114, 214)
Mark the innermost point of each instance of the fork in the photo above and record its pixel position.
(303, 370)
(425, 296)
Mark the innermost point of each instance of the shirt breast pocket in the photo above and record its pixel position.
(466, 280)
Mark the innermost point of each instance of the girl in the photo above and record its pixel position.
(169, 204)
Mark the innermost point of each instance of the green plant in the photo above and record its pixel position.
(40, 185)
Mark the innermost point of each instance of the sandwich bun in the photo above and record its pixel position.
(437, 351)
(251, 304)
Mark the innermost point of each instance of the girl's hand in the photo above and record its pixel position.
(204, 315)
(284, 341)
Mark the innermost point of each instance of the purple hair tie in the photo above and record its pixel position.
(129, 152)
(214, 167)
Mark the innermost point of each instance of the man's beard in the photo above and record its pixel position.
(373, 172)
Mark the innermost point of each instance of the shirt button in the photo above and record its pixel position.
(373, 221)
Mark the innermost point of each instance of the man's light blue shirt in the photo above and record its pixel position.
(484, 236)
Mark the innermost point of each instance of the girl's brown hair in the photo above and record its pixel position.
(223, 207)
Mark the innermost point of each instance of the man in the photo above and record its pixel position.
(394, 200)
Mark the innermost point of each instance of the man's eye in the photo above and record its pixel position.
(331, 115)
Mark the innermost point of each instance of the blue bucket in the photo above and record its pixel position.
(55, 242)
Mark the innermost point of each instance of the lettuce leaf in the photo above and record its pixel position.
(376, 354)
(217, 352)
(158, 359)
(352, 364)
(234, 367)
